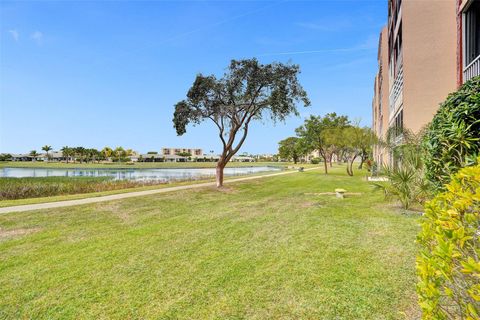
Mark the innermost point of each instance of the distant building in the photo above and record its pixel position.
(421, 52)
(52, 156)
(177, 151)
(380, 103)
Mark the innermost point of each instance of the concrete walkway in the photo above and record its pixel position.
(69, 203)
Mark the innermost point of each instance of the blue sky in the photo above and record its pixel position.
(109, 72)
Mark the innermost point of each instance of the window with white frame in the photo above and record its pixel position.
(471, 18)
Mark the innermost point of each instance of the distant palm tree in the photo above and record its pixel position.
(34, 154)
(47, 148)
(107, 152)
(67, 152)
(119, 154)
(92, 154)
(80, 152)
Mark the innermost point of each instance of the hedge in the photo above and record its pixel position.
(452, 139)
(448, 266)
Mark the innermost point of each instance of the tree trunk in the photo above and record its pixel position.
(349, 168)
(219, 171)
(330, 160)
(361, 163)
(364, 158)
(325, 163)
(350, 165)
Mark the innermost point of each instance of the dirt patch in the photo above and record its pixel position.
(114, 208)
(412, 311)
(16, 232)
(226, 189)
(307, 204)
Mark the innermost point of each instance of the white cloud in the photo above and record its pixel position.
(37, 36)
(15, 34)
(327, 24)
(369, 44)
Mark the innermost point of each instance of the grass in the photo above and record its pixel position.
(264, 249)
(40, 164)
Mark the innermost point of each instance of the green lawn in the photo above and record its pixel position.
(263, 249)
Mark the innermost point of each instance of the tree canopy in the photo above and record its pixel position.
(247, 91)
(321, 134)
(291, 148)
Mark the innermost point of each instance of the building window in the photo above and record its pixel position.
(398, 124)
(472, 32)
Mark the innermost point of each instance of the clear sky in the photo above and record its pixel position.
(93, 74)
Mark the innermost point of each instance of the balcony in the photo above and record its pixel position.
(472, 70)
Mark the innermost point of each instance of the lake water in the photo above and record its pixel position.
(131, 174)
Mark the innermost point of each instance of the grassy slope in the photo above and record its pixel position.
(38, 164)
(259, 250)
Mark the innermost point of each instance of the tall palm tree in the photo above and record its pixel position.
(47, 148)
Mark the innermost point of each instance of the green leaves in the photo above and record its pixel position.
(291, 148)
(448, 266)
(453, 136)
(247, 91)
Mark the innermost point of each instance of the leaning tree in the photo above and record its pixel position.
(247, 91)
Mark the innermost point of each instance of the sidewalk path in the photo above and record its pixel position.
(68, 203)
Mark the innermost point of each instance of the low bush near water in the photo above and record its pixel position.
(449, 265)
(22, 188)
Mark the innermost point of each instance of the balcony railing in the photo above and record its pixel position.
(472, 70)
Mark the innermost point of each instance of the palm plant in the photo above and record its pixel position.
(67, 152)
(119, 154)
(107, 152)
(80, 153)
(47, 148)
(34, 154)
(406, 175)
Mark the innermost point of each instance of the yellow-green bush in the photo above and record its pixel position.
(448, 265)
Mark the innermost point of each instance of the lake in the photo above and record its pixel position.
(131, 174)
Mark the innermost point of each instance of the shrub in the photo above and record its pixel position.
(448, 266)
(406, 179)
(315, 161)
(453, 136)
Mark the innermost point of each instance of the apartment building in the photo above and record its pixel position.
(179, 151)
(380, 104)
(421, 59)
